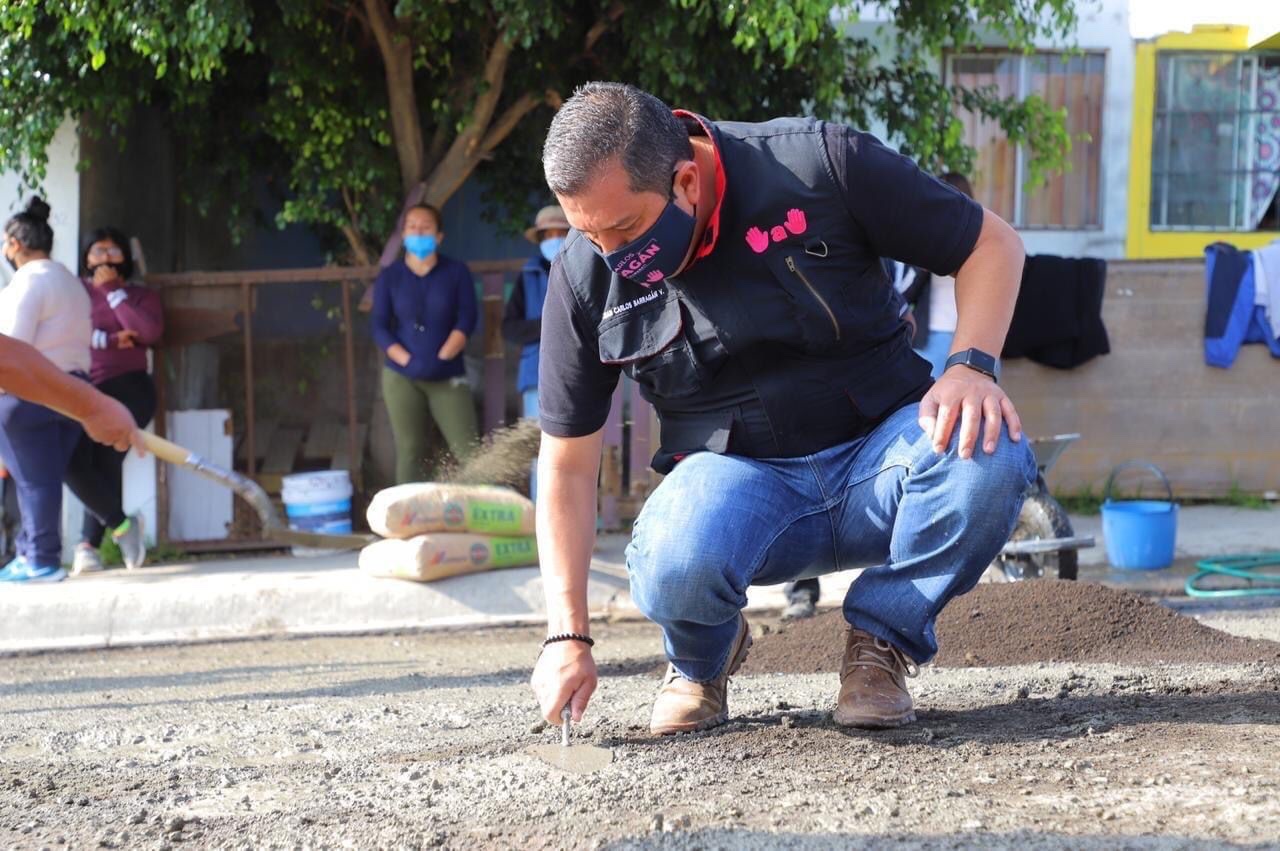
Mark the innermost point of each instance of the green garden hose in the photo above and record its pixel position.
(1246, 567)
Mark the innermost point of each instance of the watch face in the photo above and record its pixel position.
(977, 359)
(982, 360)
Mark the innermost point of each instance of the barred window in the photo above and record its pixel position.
(1215, 147)
(1070, 200)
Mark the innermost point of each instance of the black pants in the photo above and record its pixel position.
(801, 589)
(96, 472)
(10, 519)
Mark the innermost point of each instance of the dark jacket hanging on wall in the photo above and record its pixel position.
(1058, 318)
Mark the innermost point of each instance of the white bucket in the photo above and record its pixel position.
(318, 502)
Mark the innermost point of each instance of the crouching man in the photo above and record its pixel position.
(733, 270)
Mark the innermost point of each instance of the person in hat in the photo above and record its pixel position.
(522, 322)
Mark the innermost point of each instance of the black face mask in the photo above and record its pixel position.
(119, 267)
(9, 260)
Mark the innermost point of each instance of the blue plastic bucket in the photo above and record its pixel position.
(318, 502)
(1139, 534)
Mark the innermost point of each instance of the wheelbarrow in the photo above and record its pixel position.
(1043, 544)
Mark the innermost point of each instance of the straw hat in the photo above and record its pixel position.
(547, 219)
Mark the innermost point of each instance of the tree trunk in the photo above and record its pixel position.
(451, 163)
(397, 63)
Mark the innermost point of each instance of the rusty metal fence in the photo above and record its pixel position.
(625, 477)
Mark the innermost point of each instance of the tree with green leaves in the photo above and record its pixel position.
(354, 107)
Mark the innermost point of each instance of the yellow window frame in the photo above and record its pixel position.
(1141, 241)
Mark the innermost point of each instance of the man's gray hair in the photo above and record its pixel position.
(603, 122)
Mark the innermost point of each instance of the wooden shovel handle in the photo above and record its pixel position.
(165, 450)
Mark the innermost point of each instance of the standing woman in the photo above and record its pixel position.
(44, 305)
(424, 309)
(128, 319)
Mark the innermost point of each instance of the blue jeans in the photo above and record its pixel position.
(926, 526)
(529, 400)
(36, 444)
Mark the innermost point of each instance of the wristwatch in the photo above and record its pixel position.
(976, 359)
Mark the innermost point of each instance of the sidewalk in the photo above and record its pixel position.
(1204, 531)
(285, 596)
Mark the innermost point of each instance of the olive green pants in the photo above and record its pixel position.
(412, 405)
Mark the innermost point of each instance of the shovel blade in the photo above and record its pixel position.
(317, 540)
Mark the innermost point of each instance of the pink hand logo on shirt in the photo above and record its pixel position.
(654, 276)
(796, 223)
(757, 239)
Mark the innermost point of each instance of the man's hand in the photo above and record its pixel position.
(974, 398)
(126, 339)
(111, 423)
(565, 673)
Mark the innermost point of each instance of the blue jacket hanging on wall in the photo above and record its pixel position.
(1232, 317)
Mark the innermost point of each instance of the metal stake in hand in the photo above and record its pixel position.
(579, 759)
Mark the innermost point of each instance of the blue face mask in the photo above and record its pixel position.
(551, 247)
(658, 252)
(420, 245)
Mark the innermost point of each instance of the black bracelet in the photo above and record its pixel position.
(568, 636)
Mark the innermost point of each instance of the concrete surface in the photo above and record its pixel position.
(421, 740)
(282, 595)
(277, 595)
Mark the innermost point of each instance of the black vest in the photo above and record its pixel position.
(787, 338)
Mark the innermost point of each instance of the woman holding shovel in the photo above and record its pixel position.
(46, 306)
(28, 375)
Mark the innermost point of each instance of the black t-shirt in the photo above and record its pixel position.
(895, 209)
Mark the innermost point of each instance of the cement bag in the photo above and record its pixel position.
(416, 509)
(429, 557)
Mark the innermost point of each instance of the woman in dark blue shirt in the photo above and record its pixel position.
(424, 309)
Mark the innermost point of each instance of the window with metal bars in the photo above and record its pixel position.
(1070, 200)
(1215, 146)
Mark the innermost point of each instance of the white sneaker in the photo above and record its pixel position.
(129, 538)
(86, 560)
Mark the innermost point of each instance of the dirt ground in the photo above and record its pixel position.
(1029, 622)
(421, 740)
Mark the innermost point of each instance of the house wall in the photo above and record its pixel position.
(1154, 398)
(61, 190)
(1102, 27)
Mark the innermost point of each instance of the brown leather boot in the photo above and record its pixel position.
(873, 684)
(683, 706)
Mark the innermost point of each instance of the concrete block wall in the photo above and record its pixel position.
(1153, 398)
